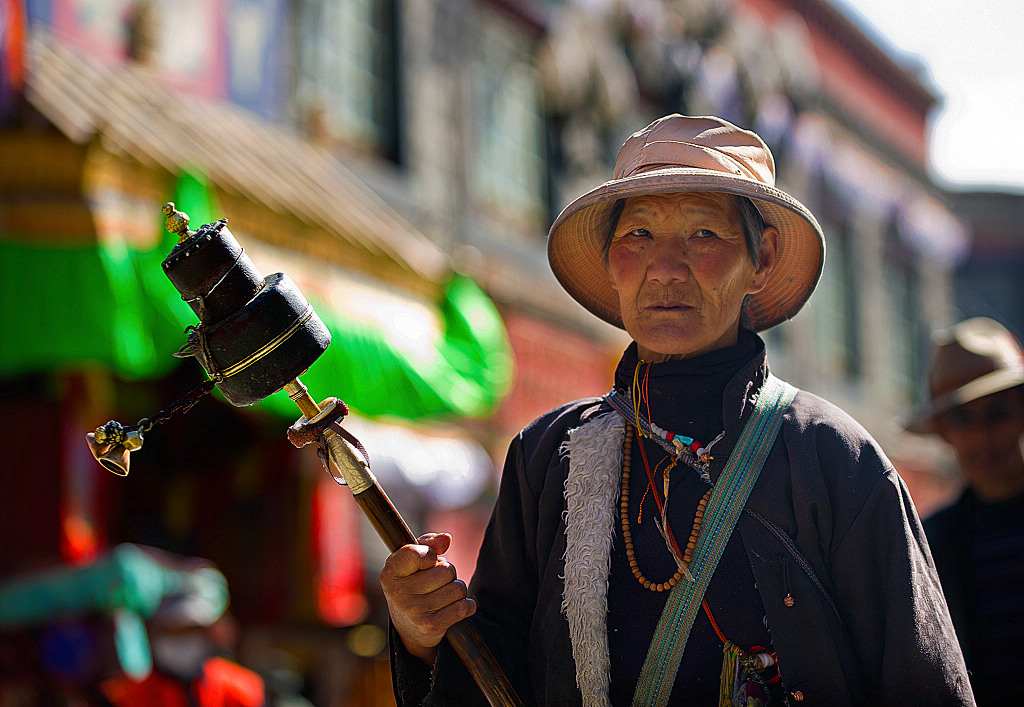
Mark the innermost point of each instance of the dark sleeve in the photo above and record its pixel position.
(890, 597)
(410, 676)
(504, 587)
(950, 545)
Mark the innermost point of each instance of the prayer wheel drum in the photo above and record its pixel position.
(255, 333)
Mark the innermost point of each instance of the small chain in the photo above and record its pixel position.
(183, 403)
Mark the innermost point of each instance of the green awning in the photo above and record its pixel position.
(464, 371)
(84, 306)
(97, 304)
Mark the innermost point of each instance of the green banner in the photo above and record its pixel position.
(469, 373)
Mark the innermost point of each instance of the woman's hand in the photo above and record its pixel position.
(424, 596)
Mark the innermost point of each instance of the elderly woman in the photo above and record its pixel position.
(704, 533)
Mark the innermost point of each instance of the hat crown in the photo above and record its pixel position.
(678, 141)
(970, 350)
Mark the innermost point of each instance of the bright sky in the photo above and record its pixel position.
(975, 57)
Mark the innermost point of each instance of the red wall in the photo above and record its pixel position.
(846, 79)
(553, 366)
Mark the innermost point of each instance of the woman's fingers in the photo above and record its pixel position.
(425, 597)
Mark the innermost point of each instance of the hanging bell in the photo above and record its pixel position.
(110, 445)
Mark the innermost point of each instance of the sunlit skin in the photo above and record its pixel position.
(423, 595)
(989, 450)
(680, 265)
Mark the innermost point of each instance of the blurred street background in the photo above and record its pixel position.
(401, 161)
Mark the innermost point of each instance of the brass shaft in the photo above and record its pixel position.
(299, 394)
(344, 456)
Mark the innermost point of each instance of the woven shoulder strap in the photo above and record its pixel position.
(727, 500)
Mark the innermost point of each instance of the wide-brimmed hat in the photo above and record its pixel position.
(970, 360)
(684, 154)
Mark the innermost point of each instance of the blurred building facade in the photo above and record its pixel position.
(846, 119)
(371, 148)
(990, 281)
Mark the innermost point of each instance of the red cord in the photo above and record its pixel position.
(657, 499)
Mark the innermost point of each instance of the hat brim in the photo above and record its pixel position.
(576, 239)
(922, 419)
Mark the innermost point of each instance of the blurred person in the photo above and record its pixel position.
(610, 572)
(976, 405)
(190, 636)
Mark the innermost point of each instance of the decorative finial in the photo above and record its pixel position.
(111, 433)
(176, 222)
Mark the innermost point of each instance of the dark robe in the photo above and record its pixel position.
(826, 485)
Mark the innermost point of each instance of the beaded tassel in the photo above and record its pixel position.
(684, 449)
(730, 666)
(742, 681)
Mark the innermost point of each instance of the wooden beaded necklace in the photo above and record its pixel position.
(627, 537)
(737, 663)
(739, 667)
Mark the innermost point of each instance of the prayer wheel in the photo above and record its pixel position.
(255, 333)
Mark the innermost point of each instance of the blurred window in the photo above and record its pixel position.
(835, 307)
(906, 332)
(347, 85)
(508, 163)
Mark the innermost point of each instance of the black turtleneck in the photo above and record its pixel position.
(686, 397)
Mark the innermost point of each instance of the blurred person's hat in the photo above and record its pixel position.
(970, 360)
(686, 154)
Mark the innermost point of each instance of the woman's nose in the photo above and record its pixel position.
(670, 261)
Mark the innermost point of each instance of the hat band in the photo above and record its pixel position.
(687, 155)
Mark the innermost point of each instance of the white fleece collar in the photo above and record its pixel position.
(591, 495)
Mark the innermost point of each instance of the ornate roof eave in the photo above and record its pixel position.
(130, 111)
(834, 23)
(898, 155)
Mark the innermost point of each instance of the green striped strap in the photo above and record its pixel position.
(723, 509)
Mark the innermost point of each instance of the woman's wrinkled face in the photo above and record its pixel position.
(681, 267)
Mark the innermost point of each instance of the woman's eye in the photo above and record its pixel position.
(705, 233)
(640, 233)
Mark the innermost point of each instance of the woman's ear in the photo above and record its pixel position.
(608, 274)
(766, 260)
(611, 280)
